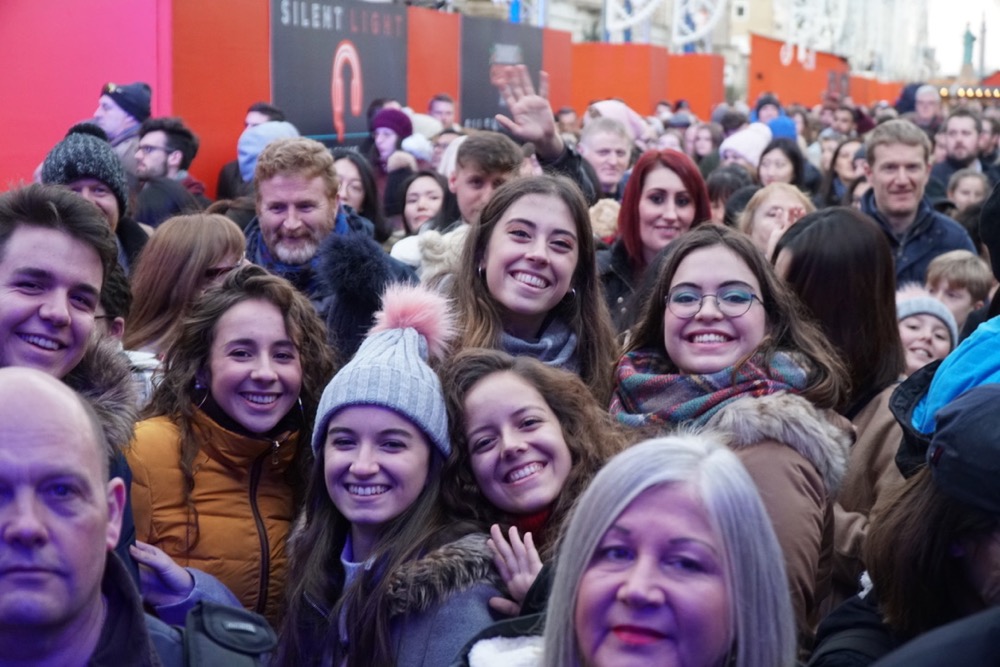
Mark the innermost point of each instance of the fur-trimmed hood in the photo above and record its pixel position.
(821, 436)
(104, 378)
(453, 568)
(353, 272)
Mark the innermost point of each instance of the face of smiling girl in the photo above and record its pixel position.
(516, 445)
(710, 340)
(530, 260)
(376, 464)
(666, 210)
(254, 368)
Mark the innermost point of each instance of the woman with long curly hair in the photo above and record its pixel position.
(219, 464)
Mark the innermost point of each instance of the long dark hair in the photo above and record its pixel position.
(447, 214)
(857, 309)
(791, 150)
(372, 206)
(585, 312)
(176, 396)
(318, 597)
(827, 195)
(909, 551)
(590, 433)
(789, 328)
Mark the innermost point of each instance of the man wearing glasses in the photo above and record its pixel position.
(120, 111)
(166, 148)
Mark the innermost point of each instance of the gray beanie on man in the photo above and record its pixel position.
(82, 154)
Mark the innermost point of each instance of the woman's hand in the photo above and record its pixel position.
(161, 580)
(518, 563)
(401, 160)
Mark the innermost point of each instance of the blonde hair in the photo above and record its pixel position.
(963, 174)
(746, 219)
(963, 270)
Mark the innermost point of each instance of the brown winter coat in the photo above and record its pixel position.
(796, 455)
(244, 506)
(871, 472)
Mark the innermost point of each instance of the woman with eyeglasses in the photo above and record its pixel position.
(186, 255)
(723, 344)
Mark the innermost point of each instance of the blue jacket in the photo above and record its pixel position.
(930, 235)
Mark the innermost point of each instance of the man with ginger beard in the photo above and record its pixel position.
(326, 250)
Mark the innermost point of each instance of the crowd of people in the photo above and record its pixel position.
(602, 389)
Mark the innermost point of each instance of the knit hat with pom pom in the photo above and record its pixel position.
(390, 368)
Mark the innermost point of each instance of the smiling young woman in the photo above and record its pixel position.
(380, 575)
(528, 438)
(722, 342)
(664, 198)
(528, 283)
(240, 385)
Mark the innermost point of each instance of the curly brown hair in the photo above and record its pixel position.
(187, 358)
(591, 435)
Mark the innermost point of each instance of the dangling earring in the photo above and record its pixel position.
(200, 386)
(480, 272)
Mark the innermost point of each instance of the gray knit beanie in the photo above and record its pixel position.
(390, 368)
(83, 155)
(917, 301)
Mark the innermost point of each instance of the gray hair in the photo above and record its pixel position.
(927, 90)
(760, 603)
(605, 125)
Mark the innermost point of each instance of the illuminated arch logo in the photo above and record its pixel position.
(346, 55)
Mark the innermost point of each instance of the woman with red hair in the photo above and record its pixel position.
(665, 197)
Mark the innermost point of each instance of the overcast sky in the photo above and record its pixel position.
(946, 25)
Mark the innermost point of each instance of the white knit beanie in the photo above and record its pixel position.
(749, 143)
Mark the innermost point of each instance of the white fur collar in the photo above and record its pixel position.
(507, 652)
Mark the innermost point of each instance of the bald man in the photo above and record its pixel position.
(65, 599)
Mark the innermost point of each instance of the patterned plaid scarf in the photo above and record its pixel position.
(645, 395)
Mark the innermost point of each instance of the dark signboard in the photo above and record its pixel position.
(330, 59)
(486, 45)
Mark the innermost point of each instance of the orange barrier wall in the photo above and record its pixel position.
(641, 75)
(869, 91)
(697, 78)
(791, 83)
(57, 56)
(219, 69)
(557, 61)
(635, 73)
(432, 51)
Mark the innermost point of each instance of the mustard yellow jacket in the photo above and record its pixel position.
(244, 506)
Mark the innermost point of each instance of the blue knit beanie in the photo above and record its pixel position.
(255, 139)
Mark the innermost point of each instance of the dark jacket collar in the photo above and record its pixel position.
(124, 638)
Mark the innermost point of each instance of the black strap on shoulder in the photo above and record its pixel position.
(869, 642)
(219, 635)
